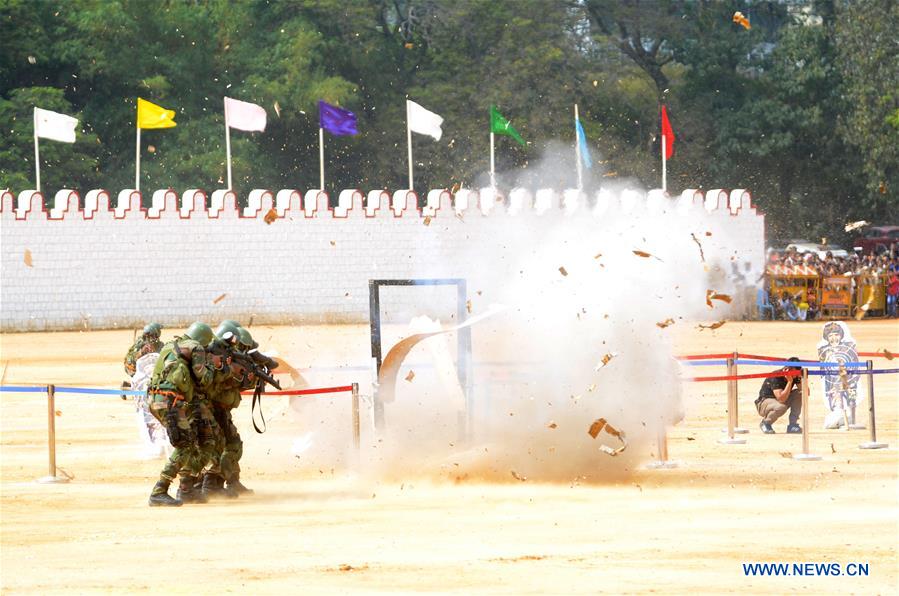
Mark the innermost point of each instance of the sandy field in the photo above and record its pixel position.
(316, 527)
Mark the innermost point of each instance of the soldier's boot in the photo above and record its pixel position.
(237, 488)
(214, 485)
(159, 497)
(189, 493)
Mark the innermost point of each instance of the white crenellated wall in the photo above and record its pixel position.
(115, 264)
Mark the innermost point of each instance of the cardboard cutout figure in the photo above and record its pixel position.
(840, 386)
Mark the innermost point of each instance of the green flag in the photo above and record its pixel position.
(501, 126)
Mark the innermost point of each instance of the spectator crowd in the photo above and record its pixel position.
(868, 269)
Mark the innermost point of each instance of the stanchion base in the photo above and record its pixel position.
(732, 441)
(807, 457)
(737, 431)
(873, 445)
(53, 480)
(661, 465)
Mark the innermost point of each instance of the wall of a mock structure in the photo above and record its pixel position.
(120, 268)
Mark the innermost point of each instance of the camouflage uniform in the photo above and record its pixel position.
(225, 466)
(181, 374)
(142, 346)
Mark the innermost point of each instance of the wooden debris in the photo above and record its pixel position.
(563, 271)
(605, 360)
(888, 355)
(517, 476)
(219, 299)
(713, 295)
(468, 306)
(714, 325)
(552, 425)
(410, 376)
(666, 323)
(696, 240)
(601, 424)
(270, 217)
(28, 262)
(427, 220)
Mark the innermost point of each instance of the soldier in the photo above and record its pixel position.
(181, 373)
(148, 342)
(225, 398)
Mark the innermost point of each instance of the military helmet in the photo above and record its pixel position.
(224, 327)
(153, 329)
(200, 333)
(246, 339)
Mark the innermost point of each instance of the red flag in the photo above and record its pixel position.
(668, 134)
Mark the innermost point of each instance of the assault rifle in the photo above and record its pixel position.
(260, 369)
(252, 362)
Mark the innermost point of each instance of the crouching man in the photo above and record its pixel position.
(779, 394)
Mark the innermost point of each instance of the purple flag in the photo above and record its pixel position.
(335, 120)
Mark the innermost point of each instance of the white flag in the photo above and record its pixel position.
(423, 121)
(244, 115)
(53, 125)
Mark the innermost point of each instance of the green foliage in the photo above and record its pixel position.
(802, 109)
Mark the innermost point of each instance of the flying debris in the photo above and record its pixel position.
(714, 325)
(427, 220)
(647, 255)
(563, 271)
(410, 376)
(856, 225)
(713, 295)
(740, 19)
(601, 424)
(277, 107)
(888, 355)
(696, 240)
(28, 262)
(220, 298)
(666, 323)
(605, 360)
(271, 216)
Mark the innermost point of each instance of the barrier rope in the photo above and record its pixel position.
(340, 389)
(97, 391)
(780, 373)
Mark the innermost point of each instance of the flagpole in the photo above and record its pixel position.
(492, 164)
(137, 161)
(664, 173)
(37, 158)
(228, 146)
(409, 142)
(321, 157)
(577, 151)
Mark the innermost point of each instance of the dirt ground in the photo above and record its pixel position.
(321, 530)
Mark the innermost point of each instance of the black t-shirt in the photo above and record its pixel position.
(772, 383)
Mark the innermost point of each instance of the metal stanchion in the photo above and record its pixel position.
(52, 478)
(731, 408)
(356, 434)
(663, 462)
(872, 444)
(805, 455)
(737, 428)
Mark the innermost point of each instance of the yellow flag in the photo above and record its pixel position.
(150, 115)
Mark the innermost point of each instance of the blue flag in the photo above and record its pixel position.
(582, 143)
(336, 121)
